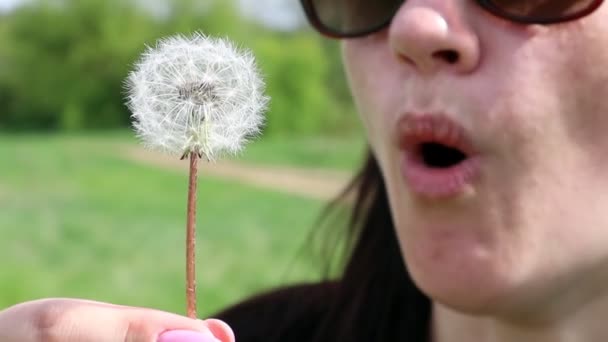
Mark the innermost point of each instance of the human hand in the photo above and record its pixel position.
(75, 320)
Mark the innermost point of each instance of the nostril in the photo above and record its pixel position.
(449, 56)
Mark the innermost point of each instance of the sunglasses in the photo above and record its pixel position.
(357, 18)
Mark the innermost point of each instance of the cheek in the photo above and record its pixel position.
(373, 76)
(587, 124)
(552, 105)
(556, 201)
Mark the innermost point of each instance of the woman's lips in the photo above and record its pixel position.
(424, 179)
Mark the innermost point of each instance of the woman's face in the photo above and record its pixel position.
(520, 227)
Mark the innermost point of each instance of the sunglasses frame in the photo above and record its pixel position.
(488, 5)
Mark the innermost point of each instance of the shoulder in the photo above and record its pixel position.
(290, 313)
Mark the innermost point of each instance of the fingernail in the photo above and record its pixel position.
(187, 336)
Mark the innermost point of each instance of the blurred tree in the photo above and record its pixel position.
(63, 63)
(295, 68)
(67, 60)
(5, 92)
(213, 17)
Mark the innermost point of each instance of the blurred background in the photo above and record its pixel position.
(86, 212)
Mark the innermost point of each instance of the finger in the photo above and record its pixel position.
(71, 320)
(220, 330)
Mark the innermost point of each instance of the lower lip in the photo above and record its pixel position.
(439, 182)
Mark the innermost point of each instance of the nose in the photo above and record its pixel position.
(423, 37)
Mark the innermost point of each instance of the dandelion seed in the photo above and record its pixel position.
(196, 94)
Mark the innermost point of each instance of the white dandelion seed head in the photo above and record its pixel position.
(196, 95)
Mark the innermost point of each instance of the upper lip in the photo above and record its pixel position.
(415, 129)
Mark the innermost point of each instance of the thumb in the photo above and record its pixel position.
(71, 320)
(218, 331)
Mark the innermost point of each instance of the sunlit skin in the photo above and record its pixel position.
(522, 254)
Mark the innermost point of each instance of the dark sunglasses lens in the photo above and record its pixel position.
(542, 11)
(352, 17)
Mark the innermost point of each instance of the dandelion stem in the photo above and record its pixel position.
(191, 238)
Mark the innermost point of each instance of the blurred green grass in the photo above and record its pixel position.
(77, 220)
(326, 152)
(340, 153)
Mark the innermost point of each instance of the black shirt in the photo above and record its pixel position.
(290, 314)
(324, 312)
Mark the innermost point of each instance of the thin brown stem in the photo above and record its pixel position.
(191, 238)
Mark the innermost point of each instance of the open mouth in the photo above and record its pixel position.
(439, 156)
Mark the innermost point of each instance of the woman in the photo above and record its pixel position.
(481, 211)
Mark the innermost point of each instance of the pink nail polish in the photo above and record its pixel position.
(186, 336)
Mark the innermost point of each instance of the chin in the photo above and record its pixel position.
(464, 298)
(469, 279)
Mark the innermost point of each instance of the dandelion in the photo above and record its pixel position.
(196, 94)
(196, 97)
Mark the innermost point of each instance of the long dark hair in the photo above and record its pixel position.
(371, 298)
(375, 298)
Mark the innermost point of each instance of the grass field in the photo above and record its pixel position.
(77, 221)
(338, 153)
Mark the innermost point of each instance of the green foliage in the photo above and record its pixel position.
(67, 61)
(295, 68)
(63, 64)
